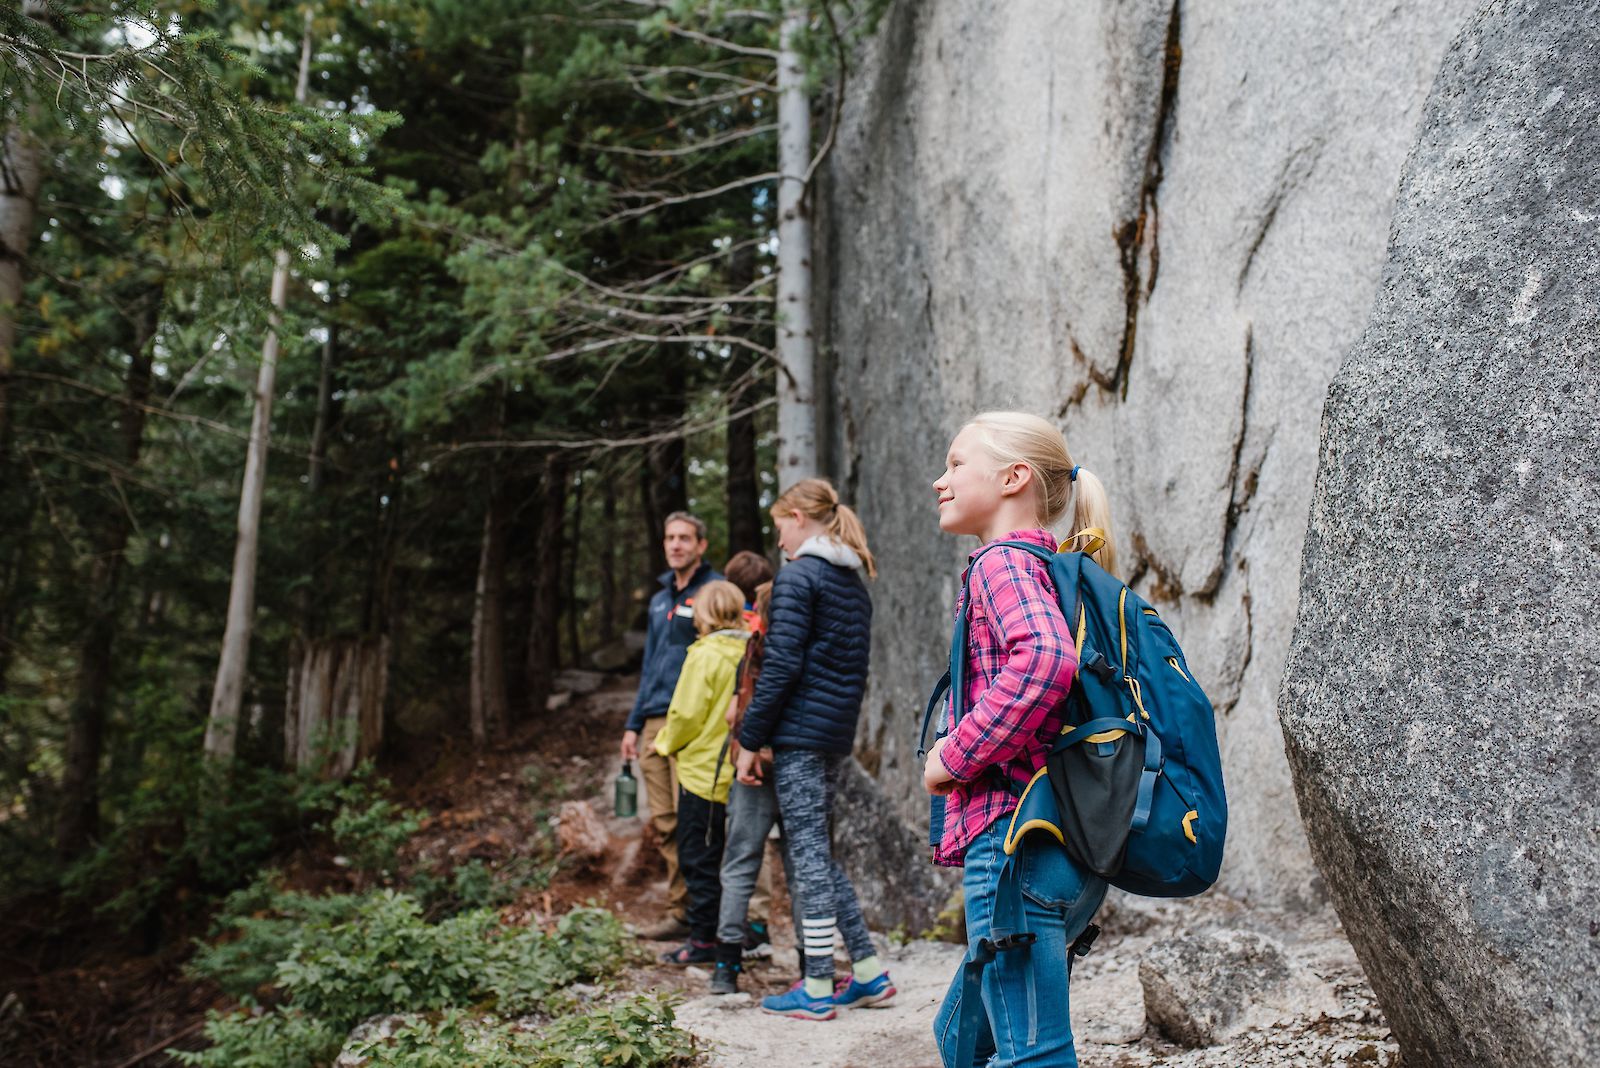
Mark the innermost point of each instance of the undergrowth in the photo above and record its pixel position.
(429, 956)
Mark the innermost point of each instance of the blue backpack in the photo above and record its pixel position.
(1133, 786)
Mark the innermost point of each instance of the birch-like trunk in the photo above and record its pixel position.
(797, 413)
(222, 728)
(20, 173)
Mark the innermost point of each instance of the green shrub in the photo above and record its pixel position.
(367, 826)
(388, 958)
(634, 1032)
(282, 1039)
(476, 885)
(266, 924)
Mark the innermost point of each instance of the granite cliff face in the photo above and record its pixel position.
(1161, 224)
(1439, 704)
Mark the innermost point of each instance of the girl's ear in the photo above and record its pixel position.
(1015, 479)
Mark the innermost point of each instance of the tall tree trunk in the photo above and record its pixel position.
(488, 708)
(744, 488)
(489, 713)
(21, 170)
(545, 607)
(666, 468)
(570, 594)
(222, 728)
(797, 415)
(608, 559)
(80, 778)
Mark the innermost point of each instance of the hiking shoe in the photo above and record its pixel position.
(851, 993)
(757, 946)
(725, 980)
(796, 1004)
(691, 952)
(667, 929)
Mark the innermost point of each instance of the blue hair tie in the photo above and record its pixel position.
(1073, 476)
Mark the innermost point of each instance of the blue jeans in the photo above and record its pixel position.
(1026, 1012)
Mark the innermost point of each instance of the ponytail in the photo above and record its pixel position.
(1091, 510)
(816, 497)
(1060, 485)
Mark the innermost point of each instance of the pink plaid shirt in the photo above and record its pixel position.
(1020, 664)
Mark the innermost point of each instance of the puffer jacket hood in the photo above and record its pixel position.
(832, 550)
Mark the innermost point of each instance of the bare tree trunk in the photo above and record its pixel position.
(666, 468)
(797, 415)
(222, 728)
(319, 428)
(544, 611)
(744, 488)
(574, 554)
(21, 171)
(334, 717)
(608, 559)
(489, 707)
(80, 778)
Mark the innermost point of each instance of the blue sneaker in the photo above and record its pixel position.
(796, 1004)
(853, 994)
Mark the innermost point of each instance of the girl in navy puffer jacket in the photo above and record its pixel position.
(805, 707)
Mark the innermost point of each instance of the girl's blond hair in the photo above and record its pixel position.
(718, 605)
(1020, 438)
(816, 497)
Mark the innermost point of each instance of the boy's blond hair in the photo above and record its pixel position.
(718, 605)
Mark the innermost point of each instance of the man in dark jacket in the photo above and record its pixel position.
(667, 640)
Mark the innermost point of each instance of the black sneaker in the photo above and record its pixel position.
(725, 980)
(757, 946)
(691, 952)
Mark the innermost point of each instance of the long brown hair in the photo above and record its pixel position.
(816, 497)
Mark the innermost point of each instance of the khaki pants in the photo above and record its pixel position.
(661, 794)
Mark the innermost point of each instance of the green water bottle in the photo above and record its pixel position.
(627, 793)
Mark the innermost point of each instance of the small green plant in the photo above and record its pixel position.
(266, 923)
(367, 826)
(951, 923)
(476, 885)
(282, 1039)
(633, 1032)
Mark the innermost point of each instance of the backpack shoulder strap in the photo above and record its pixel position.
(1064, 569)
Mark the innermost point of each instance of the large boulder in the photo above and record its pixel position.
(1439, 706)
(1160, 224)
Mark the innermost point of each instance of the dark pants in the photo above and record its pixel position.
(700, 860)
(806, 783)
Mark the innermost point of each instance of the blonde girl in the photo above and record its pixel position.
(1009, 477)
(694, 733)
(806, 704)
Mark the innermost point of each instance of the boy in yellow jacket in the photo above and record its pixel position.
(694, 733)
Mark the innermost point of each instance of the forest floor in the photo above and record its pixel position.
(118, 1009)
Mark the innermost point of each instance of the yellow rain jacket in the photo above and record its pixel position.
(696, 726)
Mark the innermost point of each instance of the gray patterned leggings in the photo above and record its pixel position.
(806, 781)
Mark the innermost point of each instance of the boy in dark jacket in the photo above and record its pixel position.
(806, 704)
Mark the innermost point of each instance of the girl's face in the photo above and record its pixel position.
(970, 490)
(793, 530)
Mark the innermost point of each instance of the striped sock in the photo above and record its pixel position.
(817, 943)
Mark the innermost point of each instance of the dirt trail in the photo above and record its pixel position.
(1342, 1028)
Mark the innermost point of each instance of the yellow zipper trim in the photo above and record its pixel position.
(1178, 668)
(1014, 834)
